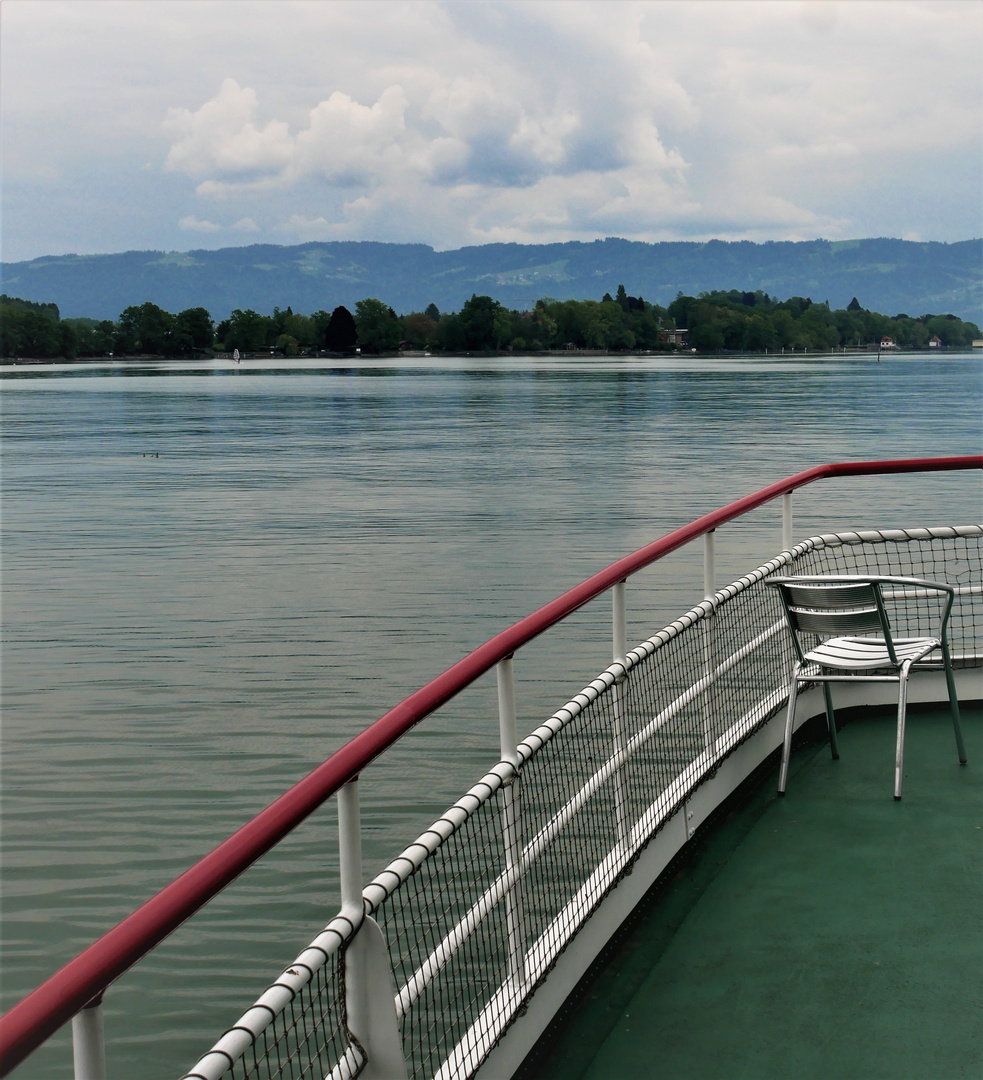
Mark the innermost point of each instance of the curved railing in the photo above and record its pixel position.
(83, 981)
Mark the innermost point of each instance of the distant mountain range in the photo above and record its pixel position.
(888, 276)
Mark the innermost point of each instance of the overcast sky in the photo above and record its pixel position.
(175, 125)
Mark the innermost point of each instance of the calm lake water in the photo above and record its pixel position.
(213, 576)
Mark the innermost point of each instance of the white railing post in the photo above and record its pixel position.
(619, 638)
(619, 621)
(709, 565)
(512, 819)
(709, 588)
(369, 989)
(350, 851)
(507, 736)
(787, 521)
(88, 1042)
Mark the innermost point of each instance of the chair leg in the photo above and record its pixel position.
(831, 722)
(954, 705)
(899, 748)
(789, 723)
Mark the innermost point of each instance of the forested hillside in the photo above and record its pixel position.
(890, 276)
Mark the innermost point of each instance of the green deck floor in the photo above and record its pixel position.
(833, 934)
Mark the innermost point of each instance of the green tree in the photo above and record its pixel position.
(478, 322)
(301, 328)
(248, 330)
(420, 330)
(288, 345)
(93, 338)
(593, 328)
(319, 322)
(68, 340)
(341, 334)
(761, 335)
(145, 328)
(784, 327)
(948, 329)
(544, 325)
(708, 336)
(194, 330)
(377, 326)
(502, 328)
(820, 328)
(278, 322)
(679, 311)
(85, 337)
(645, 326)
(450, 333)
(28, 328)
(919, 334)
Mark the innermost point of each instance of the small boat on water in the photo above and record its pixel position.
(457, 958)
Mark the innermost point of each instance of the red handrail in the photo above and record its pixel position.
(28, 1024)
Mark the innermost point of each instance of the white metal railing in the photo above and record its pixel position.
(527, 839)
(350, 953)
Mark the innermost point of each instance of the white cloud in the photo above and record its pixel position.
(452, 123)
(349, 144)
(494, 156)
(297, 226)
(192, 224)
(220, 140)
(545, 137)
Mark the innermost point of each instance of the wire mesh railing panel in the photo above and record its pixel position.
(305, 1041)
(947, 555)
(659, 693)
(297, 1030)
(475, 914)
(447, 932)
(567, 771)
(693, 694)
(750, 656)
(556, 772)
(571, 844)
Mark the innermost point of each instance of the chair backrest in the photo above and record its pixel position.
(833, 607)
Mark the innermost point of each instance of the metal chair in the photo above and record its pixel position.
(828, 606)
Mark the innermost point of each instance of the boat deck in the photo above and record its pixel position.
(832, 933)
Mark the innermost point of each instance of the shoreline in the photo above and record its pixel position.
(419, 354)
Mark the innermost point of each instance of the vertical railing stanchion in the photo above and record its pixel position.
(787, 521)
(350, 851)
(709, 565)
(619, 621)
(369, 990)
(88, 1042)
(511, 823)
(619, 637)
(709, 588)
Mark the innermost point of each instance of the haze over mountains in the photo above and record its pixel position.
(889, 276)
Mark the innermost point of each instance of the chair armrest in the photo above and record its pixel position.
(920, 583)
(879, 579)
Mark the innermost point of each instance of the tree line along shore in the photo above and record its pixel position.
(712, 322)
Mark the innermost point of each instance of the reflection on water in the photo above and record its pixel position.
(215, 575)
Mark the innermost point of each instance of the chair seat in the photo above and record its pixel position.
(863, 653)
